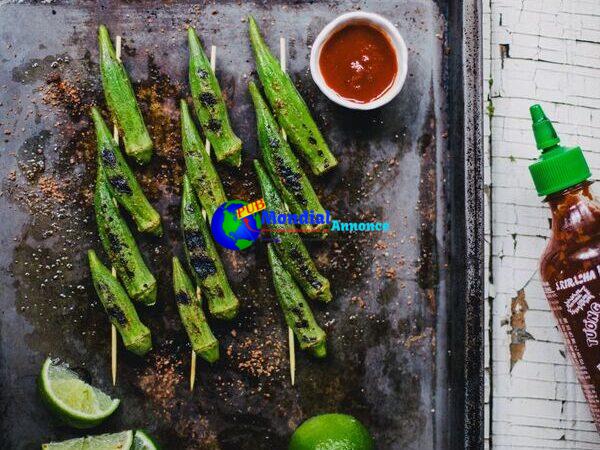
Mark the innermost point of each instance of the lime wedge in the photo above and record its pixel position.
(141, 441)
(332, 432)
(115, 441)
(75, 402)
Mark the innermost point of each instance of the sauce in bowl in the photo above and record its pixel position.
(358, 62)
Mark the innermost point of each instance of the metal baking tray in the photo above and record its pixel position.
(405, 328)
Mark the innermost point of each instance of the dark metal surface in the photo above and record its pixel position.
(404, 328)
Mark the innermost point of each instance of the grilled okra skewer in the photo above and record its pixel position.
(290, 248)
(189, 305)
(198, 166)
(289, 107)
(121, 312)
(297, 313)
(121, 101)
(281, 163)
(120, 246)
(209, 104)
(121, 181)
(203, 259)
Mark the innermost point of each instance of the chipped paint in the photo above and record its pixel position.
(518, 328)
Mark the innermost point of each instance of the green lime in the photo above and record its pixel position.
(332, 432)
(75, 402)
(141, 441)
(115, 441)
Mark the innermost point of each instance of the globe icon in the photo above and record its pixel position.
(231, 232)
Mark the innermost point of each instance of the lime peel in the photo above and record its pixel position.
(141, 441)
(332, 431)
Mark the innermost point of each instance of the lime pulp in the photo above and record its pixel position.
(115, 441)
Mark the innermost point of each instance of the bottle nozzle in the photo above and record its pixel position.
(537, 113)
(558, 167)
(543, 130)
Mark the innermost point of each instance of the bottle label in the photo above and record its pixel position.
(575, 301)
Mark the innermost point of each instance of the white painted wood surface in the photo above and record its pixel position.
(548, 52)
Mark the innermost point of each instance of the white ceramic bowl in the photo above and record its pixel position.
(378, 22)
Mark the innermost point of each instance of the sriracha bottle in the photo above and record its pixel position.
(570, 264)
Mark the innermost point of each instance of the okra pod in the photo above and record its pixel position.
(198, 165)
(290, 248)
(289, 107)
(121, 312)
(121, 181)
(120, 246)
(121, 101)
(203, 259)
(189, 305)
(298, 314)
(282, 165)
(209, 103)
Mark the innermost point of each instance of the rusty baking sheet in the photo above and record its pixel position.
(404, 329)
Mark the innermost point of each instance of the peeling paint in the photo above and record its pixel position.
(518, 328)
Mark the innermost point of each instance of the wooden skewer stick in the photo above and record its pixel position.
(113, 329)
(213, 66)
(113, 345)
(283, 61)
(291, 342)
(193, 364)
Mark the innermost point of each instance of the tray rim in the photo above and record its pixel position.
(465, 365)
(464, 425)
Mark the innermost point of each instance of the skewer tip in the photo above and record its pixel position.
(292, 356)
(113, 353)
(193, 371)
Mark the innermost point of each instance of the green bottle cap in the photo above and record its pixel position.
(558, 167)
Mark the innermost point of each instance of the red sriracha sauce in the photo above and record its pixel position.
(358, 62)
(570, 265)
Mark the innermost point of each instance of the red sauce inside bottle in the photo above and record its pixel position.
(358, 62)
(570, 270)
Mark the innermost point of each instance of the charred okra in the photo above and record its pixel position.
(189, 305)
(290, 248)
(203, 259)
(297, 313)
(120, 246)
(198, 166)
(282, 164)
(121, 181)
(121, 312)
(289, 106)
(210, 105)
(121, 101)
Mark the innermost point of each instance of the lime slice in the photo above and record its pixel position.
(141, 441)
(331, 432)
(75, 402)
(115, 441)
